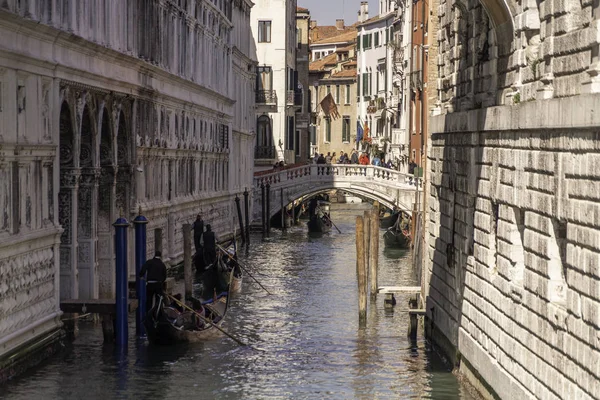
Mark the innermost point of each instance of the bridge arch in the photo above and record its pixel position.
(390, 188)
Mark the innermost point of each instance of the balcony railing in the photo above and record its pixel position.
(266, 97)
(294, 98)
(264, 152)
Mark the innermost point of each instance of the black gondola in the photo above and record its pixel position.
(388, 220)
(398, 236)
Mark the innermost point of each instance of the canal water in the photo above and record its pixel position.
(305, 339)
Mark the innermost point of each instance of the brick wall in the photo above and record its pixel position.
(514, 245)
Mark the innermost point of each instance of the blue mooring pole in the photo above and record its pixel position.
(140, 223)
(121, 226)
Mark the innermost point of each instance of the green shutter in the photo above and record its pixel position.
(358, 44)
(387, 36)
(358, 85)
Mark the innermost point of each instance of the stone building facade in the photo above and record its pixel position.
(335, 74)
(513, 243)
(107, 108)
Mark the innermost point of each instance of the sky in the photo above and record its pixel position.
(327, 11)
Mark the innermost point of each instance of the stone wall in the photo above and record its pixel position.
(514, 246)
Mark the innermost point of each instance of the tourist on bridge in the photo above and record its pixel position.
(343, 157)
(328, 158)
(316, 158)
(354, 157)
(321, 159)
(363, 159)
(155, 272)
(334, 159)
(376, 161)
(209, 242)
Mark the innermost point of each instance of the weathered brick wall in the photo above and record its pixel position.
(514, 245)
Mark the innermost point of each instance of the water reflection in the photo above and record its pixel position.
(305, 339)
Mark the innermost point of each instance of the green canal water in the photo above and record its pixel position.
(306, 342)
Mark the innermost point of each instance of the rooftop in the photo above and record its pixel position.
(347, 36)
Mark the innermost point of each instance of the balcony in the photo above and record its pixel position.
(294, 98)
(266, 97)
(266, 100)
(264, 152)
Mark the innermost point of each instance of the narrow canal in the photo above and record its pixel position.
(306, 341)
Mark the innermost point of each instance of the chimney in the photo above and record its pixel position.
(339, 24)
(363, 13)
(313, 24)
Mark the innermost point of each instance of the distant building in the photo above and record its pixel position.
(274, 30)
(334, 74)
(303, 89)
(375, 76)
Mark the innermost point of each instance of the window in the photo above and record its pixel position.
(264, 78)
(327, 129)
(264, 31)
(290, 134)
(328, 89)
(263, 131)
(299, 37)
(337, 94)
(376, 39)
(347, 94)
(358, 77)
(346, 129)
(366, 84)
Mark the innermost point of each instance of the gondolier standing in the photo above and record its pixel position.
(209, 242)
(198, 231)
(155, 271)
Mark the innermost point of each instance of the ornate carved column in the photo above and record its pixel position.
(106, 214)
(67, 217)
(87, 233)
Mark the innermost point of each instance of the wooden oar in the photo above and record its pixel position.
(245, 270)
(338, 229)
(207, 320)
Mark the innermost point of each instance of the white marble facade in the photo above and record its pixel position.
(102, 116)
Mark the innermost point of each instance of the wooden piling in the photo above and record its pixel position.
(374, 252)
(361, 269)
(283, 213)
(367, 238)
(187, 259)
(414, 320)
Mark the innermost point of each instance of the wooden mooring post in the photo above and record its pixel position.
(187, 259)
(361, 270)
(366, 240)
(374, 252)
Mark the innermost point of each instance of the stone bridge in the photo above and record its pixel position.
(389, 187)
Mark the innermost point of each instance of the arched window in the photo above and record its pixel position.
(264, 132)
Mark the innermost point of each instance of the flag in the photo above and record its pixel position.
(329, 107)
(359, 131)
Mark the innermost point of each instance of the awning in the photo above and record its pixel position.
(380, 114)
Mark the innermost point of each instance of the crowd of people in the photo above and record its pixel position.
(355, 158)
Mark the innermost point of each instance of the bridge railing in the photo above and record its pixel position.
(334, 171)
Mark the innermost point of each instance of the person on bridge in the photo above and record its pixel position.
(343, 158)
(363, 159)
(321, 159)
(155, 272)
(354, 157)
(334, 159)
(209, 242)
(328, 158)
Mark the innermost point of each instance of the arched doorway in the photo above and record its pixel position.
(67, 206)
(264, 138)
(106, 209)
(86, 215)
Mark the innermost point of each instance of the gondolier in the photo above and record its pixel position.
(155, 272)
(209, 242)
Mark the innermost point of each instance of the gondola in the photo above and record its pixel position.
(319, 224)
(229, 270)
(398, 235)
(169, 323)
(319, 221)
(387, 221)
